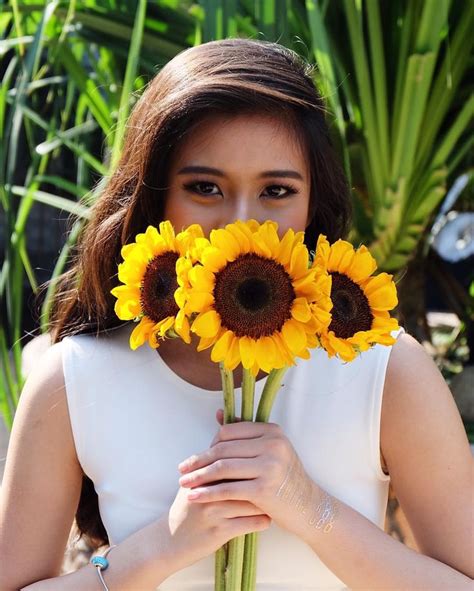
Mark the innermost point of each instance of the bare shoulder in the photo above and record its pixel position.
(47, 371)
(41, 471)
(428, 455)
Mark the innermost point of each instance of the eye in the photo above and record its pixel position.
(289, 190)
(192, 187)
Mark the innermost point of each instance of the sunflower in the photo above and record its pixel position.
(149, 276)
(254, 297)
(361, 302)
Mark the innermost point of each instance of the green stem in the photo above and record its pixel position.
(219, 568)
(233, 581)
(249, 573)
(223, 554)
(227, 377)
(248, 394)
(250, 539)
(272, 385)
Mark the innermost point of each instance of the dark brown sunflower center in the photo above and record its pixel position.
(351, 310)
(159, 285)
(253, 296)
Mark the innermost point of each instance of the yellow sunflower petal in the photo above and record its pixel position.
(383, 321)
(301, 310)
(182, 327)
(279, 354)
(283, 349)
(186, 239)
(266, 354)
(322, 318)
(304, 354)
(127, 307)
(299, 261)
(251, 224)
(152, 240)
(362, 266)
(213, 259)
(207, 324)
(232, 358)
(339, 250)
(344, 349)
(226, 243)
(198, 301)
(141, 332)
(260, 247)
(294, 335)
(127, 249)
(164, 325)
(205, 343)
(221, 348)
(248, 348)
(201, 278)
(180, 297)
(385, 340)
(308, 278)
(243, 236)
(325, 343)
(381, 292)
(286, 247)
(167, 232)
(132, 272)
(138, 252)
(255, 369)
(362, 340)
(269, 234)
(153, 339)
(126, 292)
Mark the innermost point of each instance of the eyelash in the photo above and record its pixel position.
(291, 190)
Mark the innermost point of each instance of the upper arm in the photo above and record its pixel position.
(428, 456)
(42, 480)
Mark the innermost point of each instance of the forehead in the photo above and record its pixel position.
(255, 142)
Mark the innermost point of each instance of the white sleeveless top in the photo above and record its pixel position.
(134, 420)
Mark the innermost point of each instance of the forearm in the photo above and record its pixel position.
(140, 563)
(365, 557)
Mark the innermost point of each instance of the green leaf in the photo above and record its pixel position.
(53, 200)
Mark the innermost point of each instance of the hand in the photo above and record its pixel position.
(254, 462)
(196, 530)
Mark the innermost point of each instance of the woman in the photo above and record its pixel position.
(229, 130)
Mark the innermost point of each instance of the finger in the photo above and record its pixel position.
(244, 430)
(240, 526)
(246, 448)
(241, 490)
(232, 509)
(230, 468)
(220, 416)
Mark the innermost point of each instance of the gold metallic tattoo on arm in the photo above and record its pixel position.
(297, 489)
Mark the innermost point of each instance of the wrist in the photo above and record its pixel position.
(159, 558)
(316, 511)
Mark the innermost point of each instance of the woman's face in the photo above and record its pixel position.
(254, 169)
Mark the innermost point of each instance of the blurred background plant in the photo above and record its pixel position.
(397, 77)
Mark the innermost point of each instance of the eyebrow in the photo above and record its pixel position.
(267, 173)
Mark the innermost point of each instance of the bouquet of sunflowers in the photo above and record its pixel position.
(258, 300)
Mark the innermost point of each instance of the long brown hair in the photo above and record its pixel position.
(230, 76)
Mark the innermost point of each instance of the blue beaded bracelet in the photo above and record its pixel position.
(101, 563)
